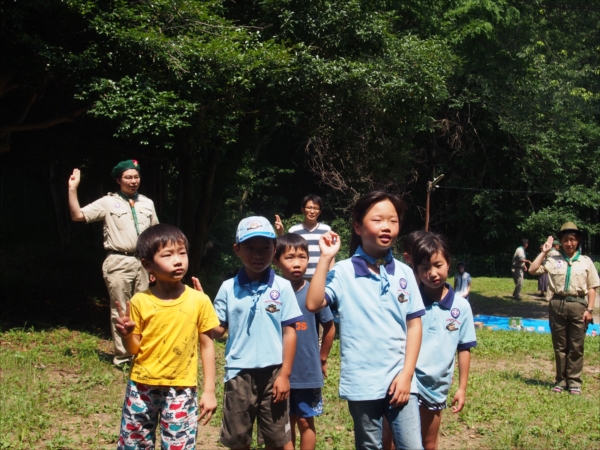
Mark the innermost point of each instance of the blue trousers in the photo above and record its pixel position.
(405, 422)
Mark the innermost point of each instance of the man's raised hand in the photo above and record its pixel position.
(278, 226)
(74, 179)
(125, 325)
(548, 244)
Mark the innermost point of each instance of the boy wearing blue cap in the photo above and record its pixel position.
(259, 310)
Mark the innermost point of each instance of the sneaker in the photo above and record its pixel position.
(557, 389)
(575, 391)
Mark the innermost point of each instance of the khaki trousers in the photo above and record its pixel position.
(568, 337)
(124, 276)
(518, 279)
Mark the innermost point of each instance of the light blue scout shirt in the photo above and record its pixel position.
(462, 283)
(255, 314)
(447, 328)
(373, 324)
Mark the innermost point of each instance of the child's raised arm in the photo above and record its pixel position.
(125, 326)
(329, 244)
(281, 386)
(464, 363)
(208, 401)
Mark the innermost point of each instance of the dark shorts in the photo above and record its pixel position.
(249, 397)
(429, 405)
(306, 402)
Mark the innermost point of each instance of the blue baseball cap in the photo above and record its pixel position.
(253, 227)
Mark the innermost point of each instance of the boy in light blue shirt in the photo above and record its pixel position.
(462, 281)
(260, 311)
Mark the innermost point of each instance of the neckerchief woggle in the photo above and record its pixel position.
(569, 262)
(381, 263)
(131, 200)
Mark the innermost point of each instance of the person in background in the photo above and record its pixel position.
(543, 280)
(555, 251)
(310, 229)
(519, 268)
(573, 280)
(462, 281)
(125, 214)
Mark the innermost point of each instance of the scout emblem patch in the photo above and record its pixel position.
(402, 298)
(403, 283)
(455, 312)
(253, 226)
(274, 295)
(272, 308)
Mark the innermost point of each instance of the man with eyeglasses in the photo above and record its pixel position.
(125, 215)
(311, 230)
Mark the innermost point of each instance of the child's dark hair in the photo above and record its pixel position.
(290, 240)
(428, 246)
(362, 206)
(156, 237)
(408, 242)
(461, 264)
(312, 198)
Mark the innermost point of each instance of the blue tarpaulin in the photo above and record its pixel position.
(535, 325)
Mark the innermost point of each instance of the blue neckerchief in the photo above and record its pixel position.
(381, 263)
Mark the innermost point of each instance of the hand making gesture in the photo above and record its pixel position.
(74, 179)
(548, 244)
(125, 325)
(278, 226)
(329, 244)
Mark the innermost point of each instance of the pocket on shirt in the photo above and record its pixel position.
(144, 218)
(121, 219)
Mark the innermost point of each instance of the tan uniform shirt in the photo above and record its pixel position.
(584, 275)
(119, 228)
(518, 258)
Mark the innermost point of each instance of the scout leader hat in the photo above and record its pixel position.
(123, 166)
(569, 227)
(253, 227)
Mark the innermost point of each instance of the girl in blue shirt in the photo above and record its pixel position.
(380, 310)
(447, 328)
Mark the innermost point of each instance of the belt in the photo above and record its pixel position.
(571, 298)
(114, 252)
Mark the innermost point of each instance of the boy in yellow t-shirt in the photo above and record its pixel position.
(160, 327)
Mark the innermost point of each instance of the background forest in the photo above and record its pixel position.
(236, 108)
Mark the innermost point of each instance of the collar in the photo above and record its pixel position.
(267, 278)
(126, 197)
(361, 269)
(446, 302)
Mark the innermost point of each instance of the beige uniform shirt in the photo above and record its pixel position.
(518, 258)
(584, 275)
(119, 228)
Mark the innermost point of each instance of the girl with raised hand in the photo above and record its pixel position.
(448, 328)
(380, 310)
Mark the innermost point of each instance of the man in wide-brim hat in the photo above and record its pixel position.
(125, 214)
(573, 280)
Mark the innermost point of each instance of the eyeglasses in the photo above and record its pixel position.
(312, 208)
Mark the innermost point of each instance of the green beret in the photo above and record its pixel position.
(123, 166)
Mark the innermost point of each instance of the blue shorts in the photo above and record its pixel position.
(306, 402)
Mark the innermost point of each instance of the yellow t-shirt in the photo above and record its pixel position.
(168, 354)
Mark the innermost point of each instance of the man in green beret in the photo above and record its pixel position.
(125, 214)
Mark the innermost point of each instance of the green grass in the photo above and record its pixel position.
(60, 391)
